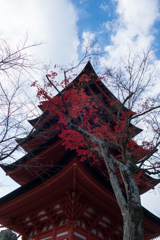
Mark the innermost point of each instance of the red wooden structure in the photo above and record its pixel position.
(60, 197)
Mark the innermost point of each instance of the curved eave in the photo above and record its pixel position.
(39, 118)
(30, 155)
(36, 133)
(39, 122)
(51, 172)
(15, 170)
(35, 193)
(148, 183)
(151, 225)
(151, 216)
(61, 166)
(33, 122)
(95, 189)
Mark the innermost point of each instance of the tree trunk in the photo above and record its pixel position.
(131, 208)
(133, 221)
(133, 224)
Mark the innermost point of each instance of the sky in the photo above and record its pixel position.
(64, 26)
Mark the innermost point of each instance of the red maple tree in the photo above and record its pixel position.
(99, 127)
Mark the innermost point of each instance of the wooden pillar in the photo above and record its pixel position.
(71, 225)
(37, 237)
(88, 235)
(71, 232)
(54, 234)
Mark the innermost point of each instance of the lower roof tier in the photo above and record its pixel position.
(76, 192)
(54, 158)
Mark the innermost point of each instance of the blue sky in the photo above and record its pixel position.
(60, 24)
(119, 25)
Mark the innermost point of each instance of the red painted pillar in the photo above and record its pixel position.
(71, 227)
(71, 232)
(88, 236)
(37, 237)
(54, 234)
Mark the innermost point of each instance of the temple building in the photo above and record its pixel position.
(61, 197)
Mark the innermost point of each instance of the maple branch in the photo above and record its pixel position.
(53, 85)
(96, 149)
(148, 155)
(92, 137)
(154, 173)
(149, 110)
(124, 141)
(60, 93)
(127, 98)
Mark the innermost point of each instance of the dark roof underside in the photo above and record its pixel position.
(69, 155)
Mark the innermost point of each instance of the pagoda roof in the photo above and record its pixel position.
(90, 184)
(45, 125)
(44, 142)
(46, 120)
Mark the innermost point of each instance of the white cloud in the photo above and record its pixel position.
(108, 25)
(133, 28)
(104, 7)
(88, 38)
(51, 21)
(82, 1)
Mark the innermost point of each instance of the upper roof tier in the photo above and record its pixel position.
(96, 88)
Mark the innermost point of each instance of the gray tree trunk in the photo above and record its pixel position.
(131, 208)
(133, 224)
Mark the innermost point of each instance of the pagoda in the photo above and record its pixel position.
(61, 197)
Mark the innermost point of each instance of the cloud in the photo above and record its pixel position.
(52, 22)
(104, 7)
(133, 28)
(88, 38)
(82, 1)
